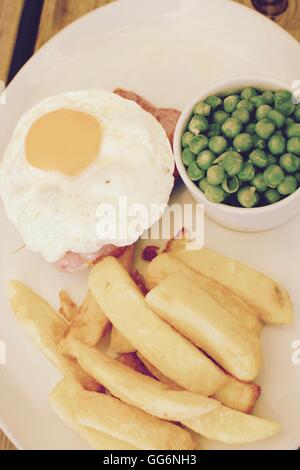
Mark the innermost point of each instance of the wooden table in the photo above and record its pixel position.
(56, 14)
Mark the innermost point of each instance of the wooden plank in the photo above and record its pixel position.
(289, 19)
(59, 13)
(10, 14)
(5, 444)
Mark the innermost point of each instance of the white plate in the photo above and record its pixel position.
(167, 50)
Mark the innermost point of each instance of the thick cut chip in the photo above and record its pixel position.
(68, 309)
(268, 298)
(64, 404)
(139, 390)
(90, 324)
(167, 264)
(241, 396)
(119, 344)
(47, 329)
(158, 375)
(166, 349)
(191, 311)
(124, 422)
(233, 427)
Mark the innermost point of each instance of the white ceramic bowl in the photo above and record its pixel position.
(242, 219)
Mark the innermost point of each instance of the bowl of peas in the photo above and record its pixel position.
(237, 149)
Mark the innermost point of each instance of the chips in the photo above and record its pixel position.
(268, 298)
(182, 303)
(166, 349)
(233, 427)
(125, 423)
(68, 309)
(126, 384)
(47, 329)
(119, 344)
(167, 264)
(63, 403)
(90, 323)
(241, 396)
(159, 376)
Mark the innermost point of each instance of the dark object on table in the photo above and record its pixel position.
(270, 7)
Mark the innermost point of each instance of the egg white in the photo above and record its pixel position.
(55, 213)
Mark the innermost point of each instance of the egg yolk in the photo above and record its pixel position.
(65, 140)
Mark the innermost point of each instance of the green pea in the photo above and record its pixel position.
(220, 117)
(276, 117)
(293, 130)
(203, 184)
(205, 159)
(220, 159)
(258, 143)
(289, 163)
(263, 111)
(198, 124)
(273, 176)
(289, 122)
(285, 106)
(277, 145)
(247, 173)
(233, 163)
(215, 194)
(217, 145)
(248, 197)
(215, 175)
(194, 172)
(283, 94)
(246, 104)
(202, 108)
(231, 127)
(293, 145)
(258, 101)
(250, 128)
(297, 176)
(213, 101)
(268, 96)
(288, 186)
(272, 196)
(231, 185)
(242, 114)
(265, 128)
(186, 138)
(259, 158)
(198, 143)
(297, 113)
(271, 159)
(243, 142)
(248, 93)
(230, 103)
(187, 157)
(259, 183)
(214, 130)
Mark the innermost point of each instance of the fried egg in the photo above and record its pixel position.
(75, 152)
